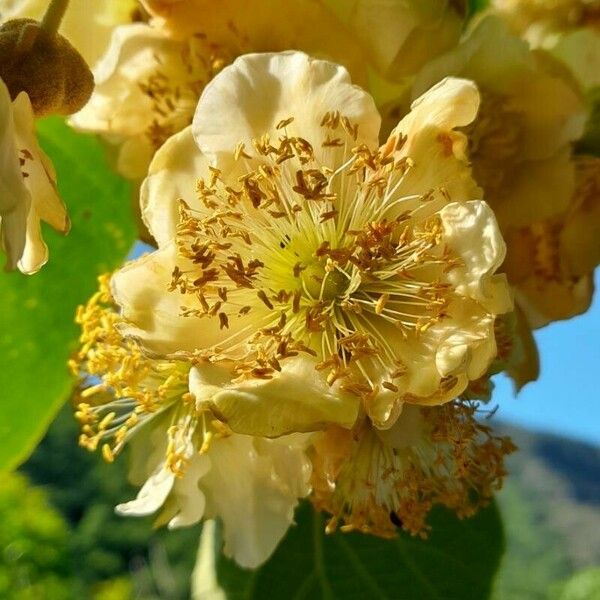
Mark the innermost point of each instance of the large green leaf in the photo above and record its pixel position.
(36, 312)
(457, 562)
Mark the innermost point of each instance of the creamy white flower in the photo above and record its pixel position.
(189, 465)
(28, 192)
(291, 247)
(147, 87)
(580, 51)
(378, 481)
(530, 113)
(253, 485)
(87, 24)
(551, 262)
(150, 79)
(569, 29)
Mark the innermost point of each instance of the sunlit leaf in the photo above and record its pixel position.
(36, 312)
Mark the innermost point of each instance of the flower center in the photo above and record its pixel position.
(322, 284)
(297, 257)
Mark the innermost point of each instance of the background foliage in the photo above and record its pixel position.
(36, 313)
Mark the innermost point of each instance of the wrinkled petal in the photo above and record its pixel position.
(538, 190)
(253, 487)
(152, 495)
(244, 26)
(471, 230)
(119, 104)
(28, 193)
(147, 87)
(531, 110)
(190, 501)
(434, 143)
(296, 399)
(544, 302)
(153, 314)
(15, 200)
(258, 91)
(169, 181)
(553, 109)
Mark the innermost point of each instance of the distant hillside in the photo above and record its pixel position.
(551, 508)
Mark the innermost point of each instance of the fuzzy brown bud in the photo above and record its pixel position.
(45, 66)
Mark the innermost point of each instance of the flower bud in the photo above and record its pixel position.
(45, 66)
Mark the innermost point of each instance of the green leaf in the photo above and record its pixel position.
(457, 561)
(36, 312)
(590, 141)
(475, 6)
(584, 585)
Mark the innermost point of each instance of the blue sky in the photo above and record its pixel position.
(566, 398)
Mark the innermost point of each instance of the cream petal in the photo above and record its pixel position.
(544, 302)
(35, 255)
(189, 498)
(172, 176)
(46, 204)
(551, 108)
(407, 431)
(296, 399)
(87, 25)
(253, 95)
(147, 448)
(15, 200)
(253, 487)
(580, 51)
(41, 177)
(153, 315)
(401, 36)
(524, 362)
(472, 232)
(477, 58)
(579, 240)
(433, 143)
(469, 345)
(119, 104)
(151, 312)
(243, 26)
(133, 157)
(152, 495)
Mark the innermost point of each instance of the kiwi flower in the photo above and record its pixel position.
(552, 261)
(28, 192)
(377, 481)
(186, 461)
(152, 74)
(191, 466)
(307, 284)
(569, 29)
(531, 112)
(307, 273)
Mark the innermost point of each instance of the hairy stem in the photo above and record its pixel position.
(54, 15)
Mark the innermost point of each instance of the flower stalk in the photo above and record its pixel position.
(54, 16)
